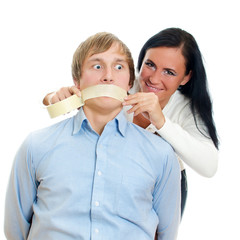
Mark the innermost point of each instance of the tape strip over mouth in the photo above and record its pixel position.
(101, 90)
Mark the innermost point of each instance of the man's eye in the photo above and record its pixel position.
(97, 66)
(118, 66)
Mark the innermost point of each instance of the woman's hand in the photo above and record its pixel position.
(60, 95)
(148, 105)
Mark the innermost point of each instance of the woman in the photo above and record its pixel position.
(173, 100)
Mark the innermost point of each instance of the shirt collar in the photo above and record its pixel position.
(79, 118)
(120, 121)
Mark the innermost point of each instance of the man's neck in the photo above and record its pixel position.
(99, 118)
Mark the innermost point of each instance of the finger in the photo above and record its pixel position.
(140, 103)
(134, 100)
(132, 96)
(66, 93)
(139, 97)
(54, 99)
(75, 90)
(142, 107)
(134, 109)
(62, 94)
(130, 102)
(141, 111)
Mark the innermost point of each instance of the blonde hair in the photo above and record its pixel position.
(99, 43)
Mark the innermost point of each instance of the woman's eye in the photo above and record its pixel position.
(118, 66)
(150, 64)
(97, 66)
(168, 72)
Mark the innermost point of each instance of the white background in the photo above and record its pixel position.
(37, 42)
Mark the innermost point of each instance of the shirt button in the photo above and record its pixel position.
(96, 203)
(96, 230)
(99, 173)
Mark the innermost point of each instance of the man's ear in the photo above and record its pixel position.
(186, 78)
(76, 83)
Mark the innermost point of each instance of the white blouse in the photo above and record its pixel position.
(191, 146)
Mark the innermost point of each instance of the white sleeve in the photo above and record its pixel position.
(195, 149)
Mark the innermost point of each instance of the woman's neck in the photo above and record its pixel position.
(141, 121)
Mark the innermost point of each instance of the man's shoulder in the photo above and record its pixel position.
(153, 148)
(59, 127)
(42, 139)
(156, 142)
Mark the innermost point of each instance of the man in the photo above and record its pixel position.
(95, 175)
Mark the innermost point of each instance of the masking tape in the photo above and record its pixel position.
(74, 102)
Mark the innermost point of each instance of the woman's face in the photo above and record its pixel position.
(162, 72)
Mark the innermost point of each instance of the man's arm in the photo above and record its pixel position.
(21, 194)
(166, 199)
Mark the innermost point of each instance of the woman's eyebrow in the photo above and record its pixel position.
(149, 60)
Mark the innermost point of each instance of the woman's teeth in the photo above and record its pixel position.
(153, 88)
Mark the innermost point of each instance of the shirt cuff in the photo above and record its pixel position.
(165, 128)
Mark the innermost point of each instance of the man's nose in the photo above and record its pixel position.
(108, 76)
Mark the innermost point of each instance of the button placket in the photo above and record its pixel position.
(98, 184)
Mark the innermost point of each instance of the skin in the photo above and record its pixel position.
(162, 72)
(109, 67)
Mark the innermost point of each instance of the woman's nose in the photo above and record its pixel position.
(155, 78)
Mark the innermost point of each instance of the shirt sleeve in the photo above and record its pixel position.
(195, 149)
(166, 199)
(21, 194)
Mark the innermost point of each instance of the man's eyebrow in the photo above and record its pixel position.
(120, 60)
(101, 59)
(94, 59)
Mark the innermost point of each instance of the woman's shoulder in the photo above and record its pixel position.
(178, 99)
(177, 105)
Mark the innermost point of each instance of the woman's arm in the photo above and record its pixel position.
(196, 150)
(177, 126)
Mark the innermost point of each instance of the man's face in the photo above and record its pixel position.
(108, 67)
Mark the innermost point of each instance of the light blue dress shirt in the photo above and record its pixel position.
(69, 183)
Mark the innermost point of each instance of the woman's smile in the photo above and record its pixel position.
(152, 88)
